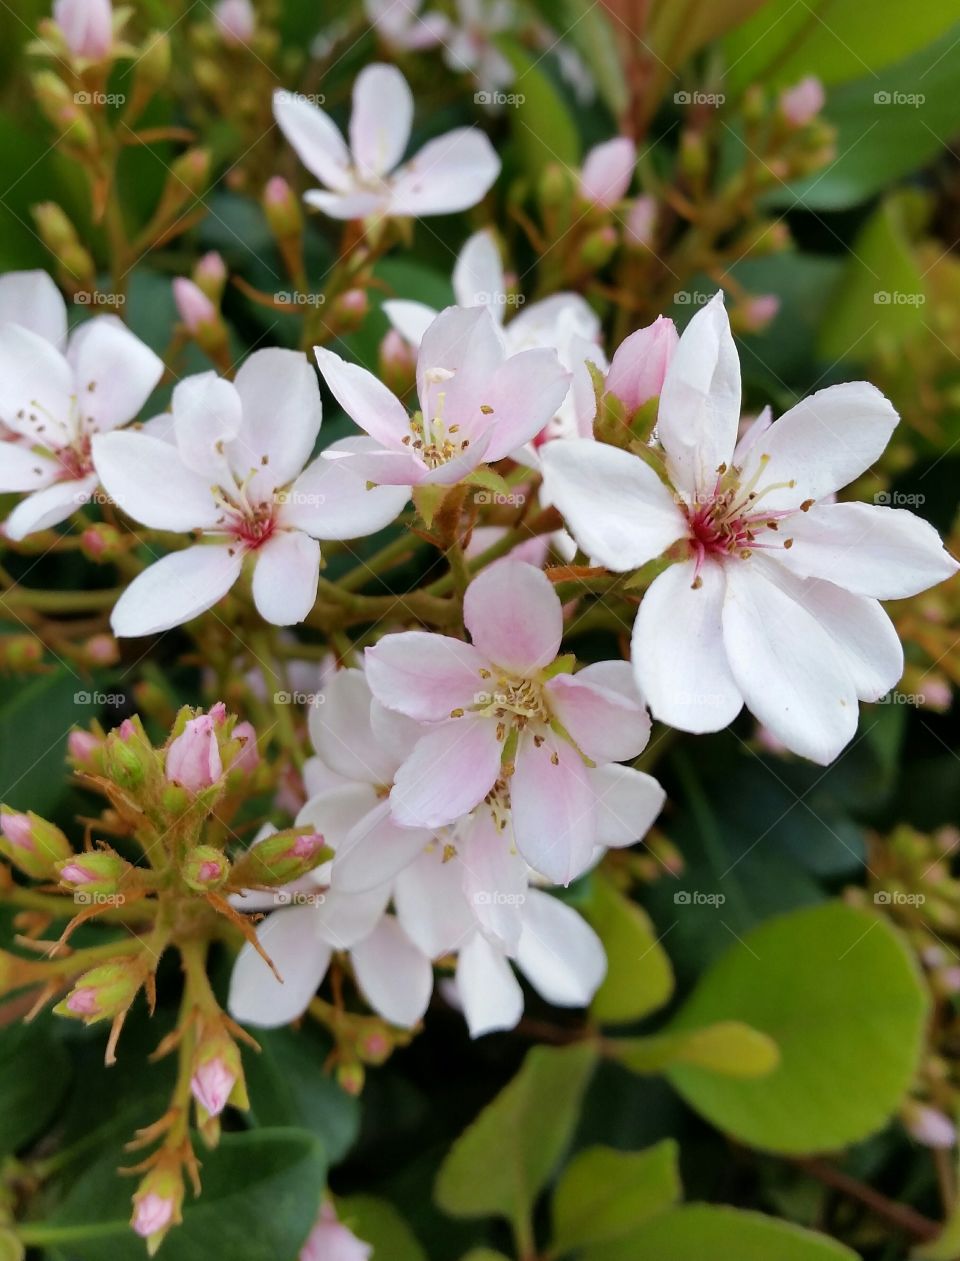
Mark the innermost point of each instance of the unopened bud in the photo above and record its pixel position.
(32, 844)
(156, 1205)
(598, 248)
(282, 209)
(398, 363)
(205, 868)
(193, 757)
(210, 275)
(349, 309)
(235, 21)
(803, 102)
(350, 1078)
(104, 991)
(191, 171)
(607, 172)
(99, 871)
(128, 757)
(20, 652)
(87, 27)
(101, 650)
(247, 757)
(694, 159)
(280, 859)
(556, 187)
(193, 305)
(83, 750)
(152, 71)
(103, 543)
(641, 223)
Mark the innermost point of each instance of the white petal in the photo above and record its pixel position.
(176, 589)
(31, 299)
(290, 939)
(376, 850)
(431, 905)
(478, 274)
(146, 477)
(822, 444)
(451, 770)
(628, 801)
(281, 418)
(524, 395)
(285, 577)
(424, 675)
(341, 730)
(381, 119)
(488, 991)
(700, 401)
(554, 809)
(336, 809)
(114, 372)
(466, 347)
(514, 617)
(314, 136)
(331, 500)
(207, 414)
(364, 398)
(886, 553)
(678, 652)
(410, 319)
(21, 469)
(36, 388)
(45, 508)
(494, 878)
(614, 504)
(791, 675)
(451, 173)
(559, 953)
(353, 205)
(395, 978)
(343, 919)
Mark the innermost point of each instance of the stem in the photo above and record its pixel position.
(262, 647)
(60, 601)
(900, 1215)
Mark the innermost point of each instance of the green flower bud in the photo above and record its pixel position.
(205, 868)
(280, 859)
(32, 844)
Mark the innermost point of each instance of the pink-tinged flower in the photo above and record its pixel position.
(330, 1240)
(403, 26)
(82, 746)
(236, 20)
(641, 221)
(193, 758)
(152, 1213)
(211, 1084)
(774, 602)
(477, 403)
(504, 726)
(57, 394)
(564, 322)
(607, 172)
(193, 305)
(87, 26)
(231, 468)
(640, 363)
(450, 173)
(803, 102)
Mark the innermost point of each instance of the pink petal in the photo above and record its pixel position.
(425, 676)
(606, 725)
(514, 617)
(640, 364)
(451, 770)
(365, 399)
(376, 850)
(478, 274)
(607, 171)
(554, 812)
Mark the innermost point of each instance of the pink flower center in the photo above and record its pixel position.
(255, 529)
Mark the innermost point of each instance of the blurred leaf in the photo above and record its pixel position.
(541, 125)
(261, 1193)
(590, 30)
(604, 1193)
(639, 975)
(677, 31)
(880, 296)
(701, 1231)
(946, 1246)
(28, 1097)
(35, 719)
(840, 995)
(518, 1139)
(378, 1223)
(730, 1048)
(484, 1254)
(837, 40)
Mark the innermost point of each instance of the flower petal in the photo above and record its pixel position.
(554, 810)
(614, 504)
(365, 399)
(344, 919)
(48, 507)
(451, 173)
(628, 801)
(395, 977)
(286, 576)
(207, 415)
(424, 675)
(114, 372)
(431, 905)
(331, 500)
(886, 553)
(788, 669)
(353, 205)
(699, 411)
(514, 617)
(32, 300)
(316, 139)
(36, 388)
(489, 992)
(608, 170)
(290, 939)
(606, 725)
(559, 953)
(410, 319)
(21, 469)
(451, 770)
(478, 274)
(146, 477)
(678, 651)
(336, 809)
(493, 877)
(377, 849)
(525, 394)
(381, 119)
(280, 398)
(176, 589)
(460, 354)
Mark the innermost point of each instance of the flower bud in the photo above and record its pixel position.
(282, 209)
(803, 102)
(103, 543)
(190, 172)
(280, 859)
(929, 1126)
(350, 1077)
(156, 1205)
(98, 871)
(349, 309)
(598, 248)
(640, 364)
(193, 757)
(128, 757)
(83, 750)
(694, 159)
(101, 650)
(330, 1240)
(235, 21)
(87, 27)
(755, 314)
(104, 991)
(193, 305)
(32, 844)
(556, 187)
(607, 172)
(641, 223)
(20, 652)
(248, 758)
(210, 275)
(205, 868)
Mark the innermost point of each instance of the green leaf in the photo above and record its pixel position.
(28, 1097)
(639, 975)
(489, 479)
(678, 31)
(541, 125)
(427, 498)
(701, 1231)
(518, 1139)
(35, 720)
(946, 1246)
(837, 40)
(484, 1254)
(605, 1193)
(729, 1048)
(840, 995)
(590, 30)
(378, 1223)
(261, 1193)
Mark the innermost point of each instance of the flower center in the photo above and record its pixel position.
(513, 703)
(431, 437)
(250, 522)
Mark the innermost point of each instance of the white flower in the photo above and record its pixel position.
(231, 468)
(56, 394)
(470, 42)
(774, 602)
(403, 26)
(450, 173)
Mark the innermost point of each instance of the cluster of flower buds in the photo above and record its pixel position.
(198, 299)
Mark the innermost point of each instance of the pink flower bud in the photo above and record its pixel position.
(102, 650)
(354, 300)
(73, 873)
(640, 364)
(760, 311)
(235, 20)
(193, 758)
(16, 828)
(83, 1002)
(193, 305)
(607, 172)
(211, 1084)
(277, 191)
(803, 102)
(211, 267)
(82, 745)
(151, 1214)
(87, 26)
(330, 1240)
(930, 1126)
(248, 759)
(306, 846)
(641, 221)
